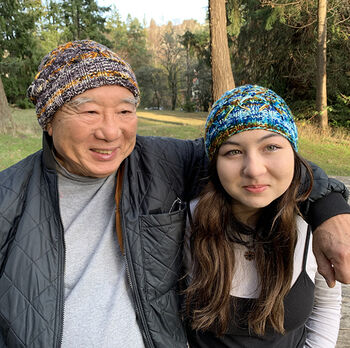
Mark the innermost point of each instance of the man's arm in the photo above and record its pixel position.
(196, 165)
(329, 216)
(331, 246)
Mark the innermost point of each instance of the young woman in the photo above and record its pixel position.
(252, 277)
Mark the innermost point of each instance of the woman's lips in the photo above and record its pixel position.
(255, 188)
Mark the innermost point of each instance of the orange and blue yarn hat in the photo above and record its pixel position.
(72, 69)
(244, 108)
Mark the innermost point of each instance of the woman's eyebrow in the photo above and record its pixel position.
(268, 136)
(231, 142)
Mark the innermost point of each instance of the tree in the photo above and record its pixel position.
(117, 32)
(187, 40)
(277, 48)
(220, 57)
(170, 53)
(138, 54)
(128, 39)
(50, 25)
(84, 19)
(152, 83)
(321, 96)
(6, 120)
(19, 49)
(199, 82)
(202, 88)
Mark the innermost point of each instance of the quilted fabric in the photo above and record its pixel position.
(160, 175)
(154, 229)
(30, 278)
(32, 245)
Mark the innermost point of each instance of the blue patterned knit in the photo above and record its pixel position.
(245, 108)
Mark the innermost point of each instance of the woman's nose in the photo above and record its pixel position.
(254, 165)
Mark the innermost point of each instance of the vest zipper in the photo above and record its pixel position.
(61, 269)
(137, 301)
(140, 315)
(61, 285)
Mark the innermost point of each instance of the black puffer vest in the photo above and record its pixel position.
(160, 175)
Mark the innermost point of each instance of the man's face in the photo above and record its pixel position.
(95, 131)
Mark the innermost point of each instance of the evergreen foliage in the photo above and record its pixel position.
(83, 19)
(276, 47)
(272, 43)
(20, 50)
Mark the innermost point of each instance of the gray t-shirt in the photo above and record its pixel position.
(98, 310)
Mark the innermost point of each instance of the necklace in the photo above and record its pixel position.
(250, 253)
(244, 237)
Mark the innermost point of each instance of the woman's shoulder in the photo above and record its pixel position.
(193, 204)
(302, 225)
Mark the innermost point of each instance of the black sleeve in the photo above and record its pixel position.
(328, 198)
(196, 168)
(326, 207)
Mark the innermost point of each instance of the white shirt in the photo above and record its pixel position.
(323, 324)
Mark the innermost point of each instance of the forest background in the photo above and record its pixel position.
(271, 43)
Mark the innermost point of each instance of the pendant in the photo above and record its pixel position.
(249, 255)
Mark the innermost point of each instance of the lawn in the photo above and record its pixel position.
(331, 150)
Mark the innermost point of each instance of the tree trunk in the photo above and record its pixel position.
(6, 121)
(321, 95)
(188, 79)
(220, 57)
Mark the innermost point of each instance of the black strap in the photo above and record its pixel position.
(307, 242)
(189, 214)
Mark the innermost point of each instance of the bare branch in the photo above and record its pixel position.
(343, 20)
(302, 26)
(275, 4)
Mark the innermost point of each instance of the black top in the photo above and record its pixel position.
(298, 305)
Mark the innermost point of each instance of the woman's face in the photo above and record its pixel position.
(255, 167)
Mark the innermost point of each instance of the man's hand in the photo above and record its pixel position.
(331, 246)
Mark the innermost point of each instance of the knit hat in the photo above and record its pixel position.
(245, 108)
(72, 69)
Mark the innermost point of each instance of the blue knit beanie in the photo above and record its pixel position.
(245, 108)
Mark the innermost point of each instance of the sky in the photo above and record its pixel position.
(161, 11)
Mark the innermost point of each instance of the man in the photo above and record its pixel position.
(63, 210)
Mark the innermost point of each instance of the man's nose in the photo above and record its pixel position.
(109, 128)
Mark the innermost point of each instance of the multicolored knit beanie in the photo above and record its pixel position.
(72, 69)
(245, 108)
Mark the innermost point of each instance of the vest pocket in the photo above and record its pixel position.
(161, 239)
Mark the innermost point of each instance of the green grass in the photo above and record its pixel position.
(15, 148)
(25, 121)
(166, 129)
(331, 151)
(332, 158)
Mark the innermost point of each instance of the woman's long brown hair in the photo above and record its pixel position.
(212, 247)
